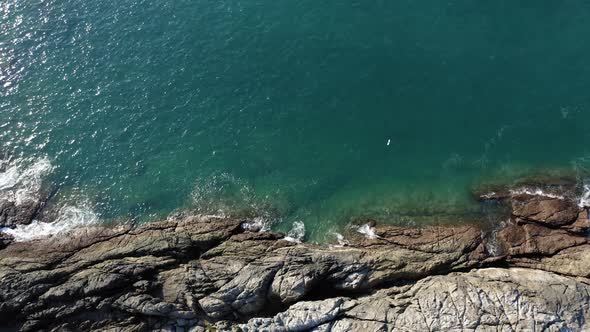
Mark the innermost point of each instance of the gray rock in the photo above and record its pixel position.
(302, 316)
(483, 300)
(5, 240)
(13, 214)
(245, 294)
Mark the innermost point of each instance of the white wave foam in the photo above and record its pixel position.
(535, 192)
(585, 199)
(368, 231)
(20, 183)
(70, 217)
(342, 242)
(259, 224)
(489, 195)
(9, 178)
(297, 233)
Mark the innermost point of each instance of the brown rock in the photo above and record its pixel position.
(581, 225)
(546, 210)
(533, 239)
(435, 239)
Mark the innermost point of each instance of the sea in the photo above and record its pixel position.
(304, 116)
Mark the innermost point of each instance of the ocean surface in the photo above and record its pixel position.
(305, 114)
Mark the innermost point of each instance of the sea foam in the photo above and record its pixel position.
(585, 198)
(297, 233)
(259, 224)
(535, 192)
(342, 242)
(21, 180)
(70, 217)
(368, 231)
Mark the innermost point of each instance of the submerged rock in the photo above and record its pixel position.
(203, 273)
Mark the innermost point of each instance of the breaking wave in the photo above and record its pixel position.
(21, 181)
(69, 218)
(368, 231)
(297, 233)
(259, 224)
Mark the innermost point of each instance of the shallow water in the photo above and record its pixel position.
(283, 110)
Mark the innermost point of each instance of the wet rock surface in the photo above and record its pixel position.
(21, 213)
(20, 201)
(546, 210)
(199, 273)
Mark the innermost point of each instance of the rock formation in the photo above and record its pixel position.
(199, 273)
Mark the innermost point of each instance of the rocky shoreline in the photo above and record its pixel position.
(530, 272)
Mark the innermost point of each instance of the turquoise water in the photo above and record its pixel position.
(283, 109)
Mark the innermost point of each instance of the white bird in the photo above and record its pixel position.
(388, 142)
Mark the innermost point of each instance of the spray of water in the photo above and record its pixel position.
(21, 181)
(297, 233)
(582, 167)
(70, 218)
(368, 231)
